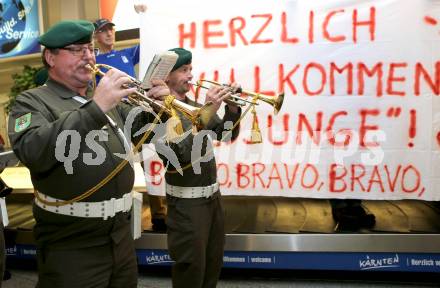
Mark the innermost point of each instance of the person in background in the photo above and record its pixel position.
(88, 241)
(195, 219)
(350, 215)
(41, 77)
(125, 60)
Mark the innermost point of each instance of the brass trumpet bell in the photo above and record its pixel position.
(275, 101)
(199, 116)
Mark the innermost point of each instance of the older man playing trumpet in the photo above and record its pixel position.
(70, 138)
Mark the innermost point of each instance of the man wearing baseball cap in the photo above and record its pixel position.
(125, 59)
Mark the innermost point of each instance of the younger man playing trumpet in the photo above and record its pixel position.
(195, 220)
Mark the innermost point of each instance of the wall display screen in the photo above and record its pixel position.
(19, 27)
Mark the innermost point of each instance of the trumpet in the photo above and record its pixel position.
(275, 101)
(197, 115)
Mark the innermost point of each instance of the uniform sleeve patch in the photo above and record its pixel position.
(23, 122)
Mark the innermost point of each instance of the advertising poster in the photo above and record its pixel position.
(19, 27)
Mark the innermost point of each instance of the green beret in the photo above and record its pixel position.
(41, 76)
(185, 57)
(67, 32)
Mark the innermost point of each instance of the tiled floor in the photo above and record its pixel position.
(232, 279)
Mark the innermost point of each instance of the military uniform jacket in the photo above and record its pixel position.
(185, 153)
(36, 121)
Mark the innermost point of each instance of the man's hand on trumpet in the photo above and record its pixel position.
(159, 90)
(158, 93)
(112, 89)
(115, 85)
(217, 94)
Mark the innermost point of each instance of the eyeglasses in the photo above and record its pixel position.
(80, 50)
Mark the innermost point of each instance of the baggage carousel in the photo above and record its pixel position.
(279, 233)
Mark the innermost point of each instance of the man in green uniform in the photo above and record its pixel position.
(195, 216)
(71, 138)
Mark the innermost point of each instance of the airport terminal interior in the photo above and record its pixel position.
(270, 242)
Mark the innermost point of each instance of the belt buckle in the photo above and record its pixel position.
(209, 191)
(119, 205)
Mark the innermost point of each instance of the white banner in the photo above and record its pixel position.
(361, 115)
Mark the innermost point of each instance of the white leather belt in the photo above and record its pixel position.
(192, 192)
(103, 209)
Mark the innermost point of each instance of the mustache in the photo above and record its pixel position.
(87, 63)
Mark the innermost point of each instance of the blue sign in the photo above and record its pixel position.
(343, 261)
(19, 27)
(21, 251)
